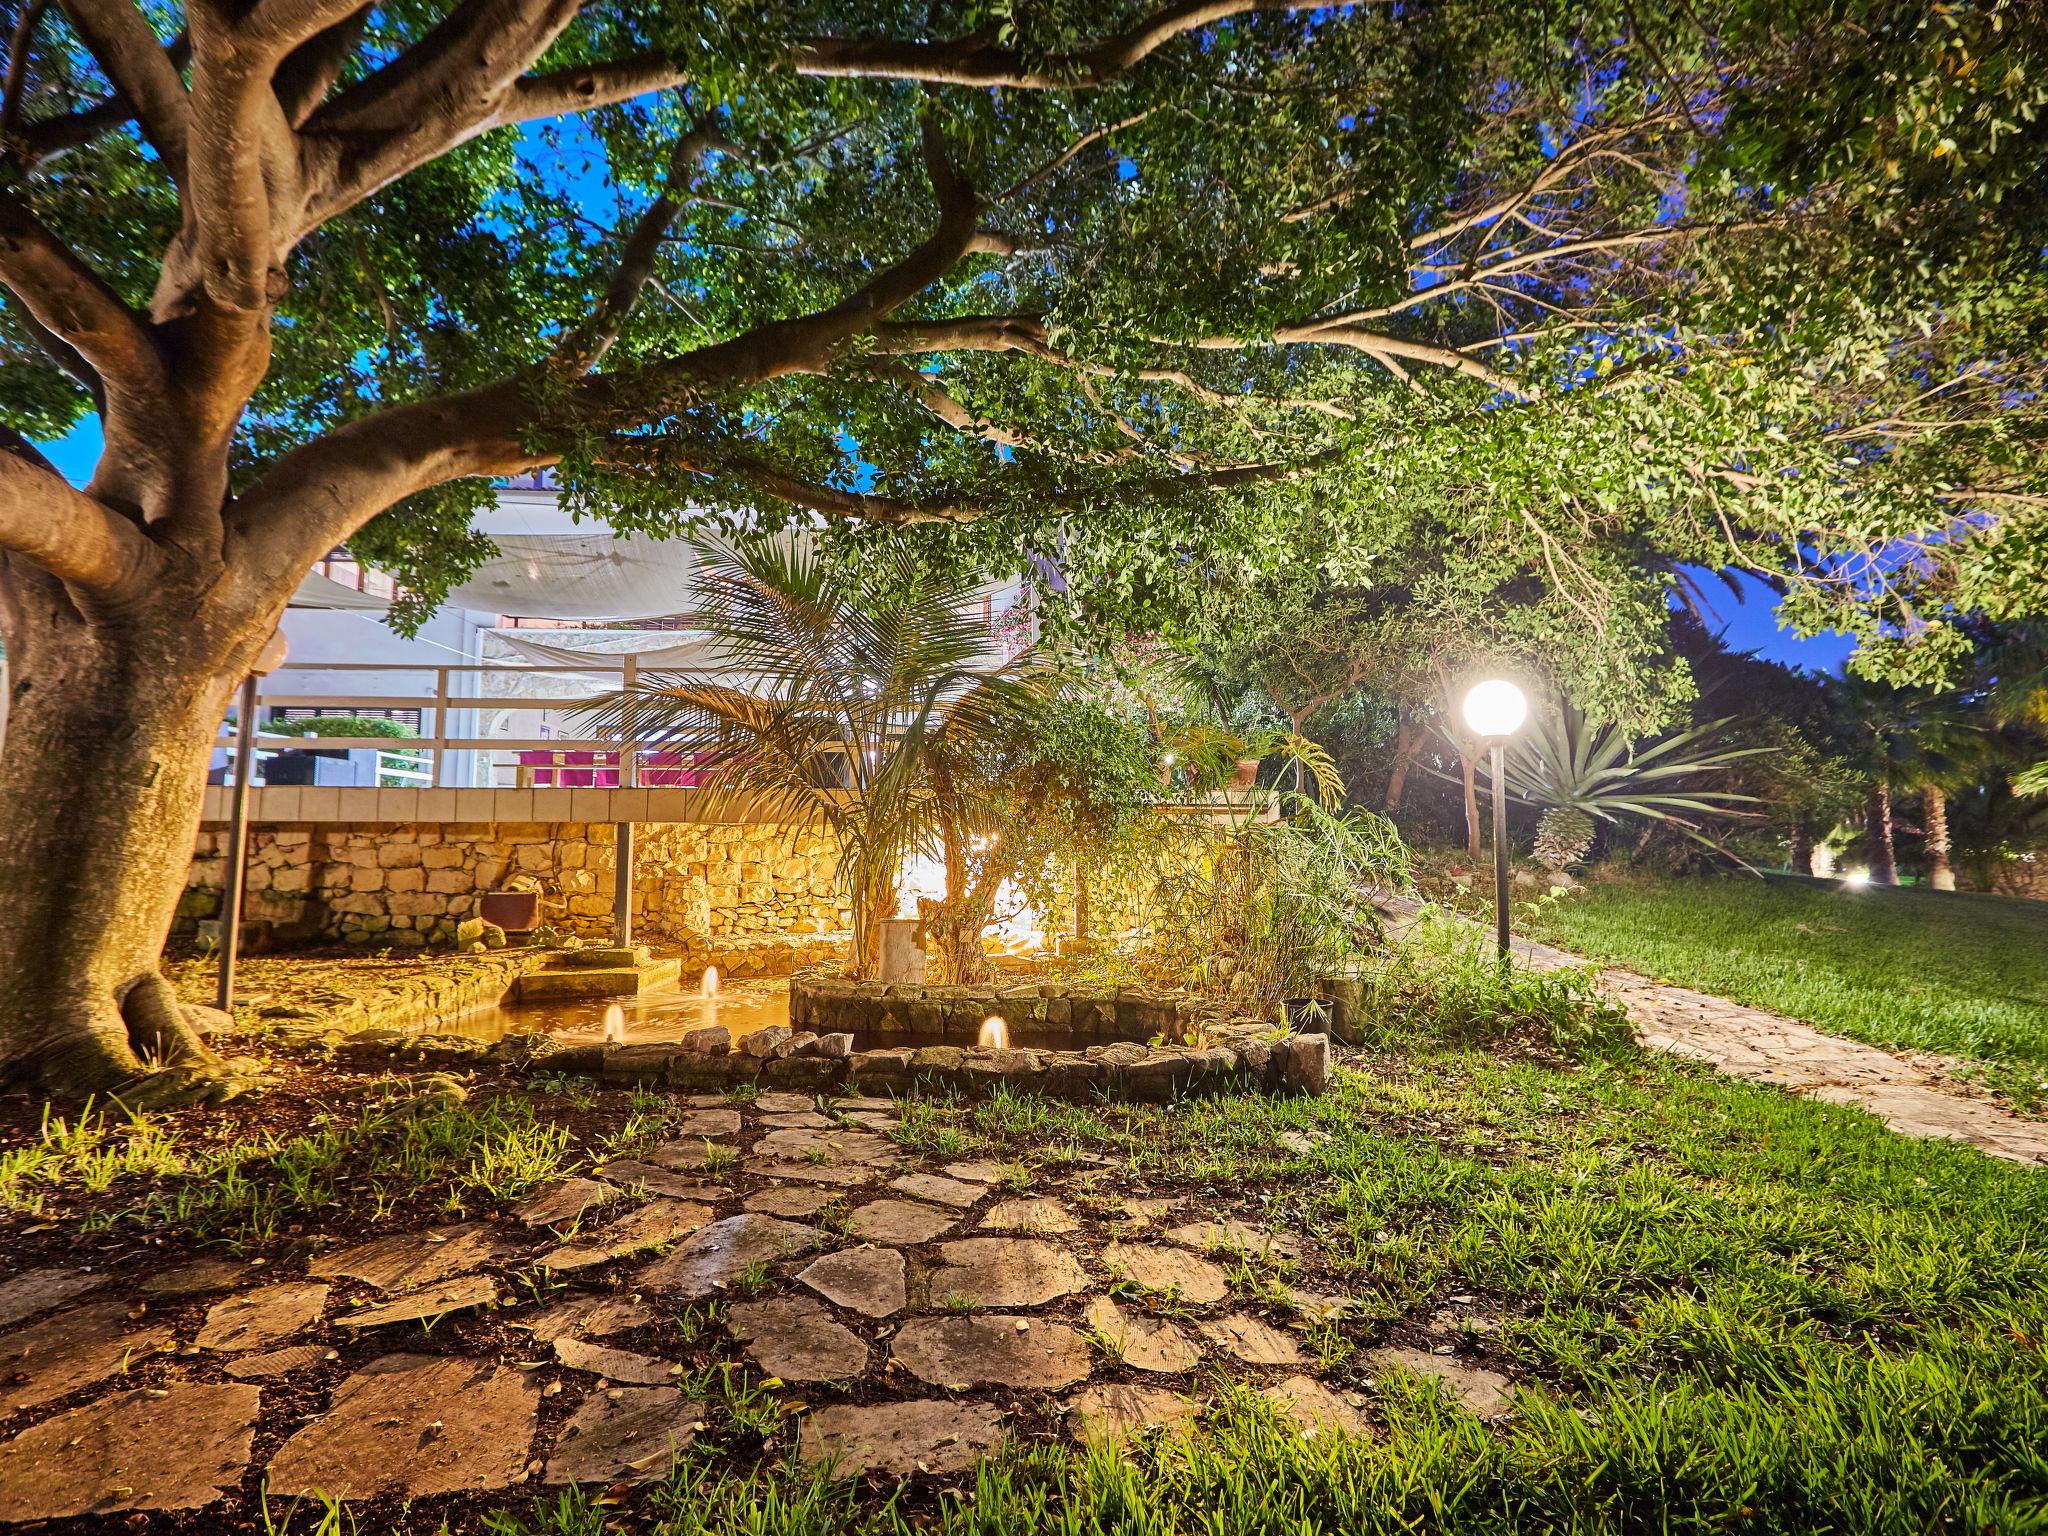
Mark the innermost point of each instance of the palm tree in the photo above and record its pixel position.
(825, 701)
(1916, 743)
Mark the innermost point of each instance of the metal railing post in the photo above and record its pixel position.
(629, 775)
(238, 838)
(440, 727)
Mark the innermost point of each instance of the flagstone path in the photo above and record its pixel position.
(1767, 1047)
(921, 1322)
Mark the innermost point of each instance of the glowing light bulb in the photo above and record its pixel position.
(1856, 879)
(1495, 707)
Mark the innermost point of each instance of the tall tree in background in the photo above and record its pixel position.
(1748, 278)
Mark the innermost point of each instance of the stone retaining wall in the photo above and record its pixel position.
(408, 1004)
(1235, 1057)
(412, 884)
(831, 1004)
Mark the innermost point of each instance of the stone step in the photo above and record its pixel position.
(606, 955)
(573, 981)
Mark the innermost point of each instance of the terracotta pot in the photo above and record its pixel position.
(1247, 773)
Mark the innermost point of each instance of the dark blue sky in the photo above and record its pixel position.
(1750, 623)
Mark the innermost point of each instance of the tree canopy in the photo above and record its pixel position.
(1242, 289)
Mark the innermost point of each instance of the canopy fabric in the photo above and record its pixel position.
(318, 591)
(594, 575)
(659, 652)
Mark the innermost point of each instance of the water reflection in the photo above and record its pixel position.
(666, 1013)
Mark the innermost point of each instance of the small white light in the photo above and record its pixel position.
(1495, 707)
(1856, 879)
(1170, 759)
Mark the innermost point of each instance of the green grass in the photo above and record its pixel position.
(1728, 1309)
(1959, 974)
(1724, 1308)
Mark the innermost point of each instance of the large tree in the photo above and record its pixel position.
(1752, 282)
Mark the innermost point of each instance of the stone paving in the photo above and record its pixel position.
(921, 1320)
(1766, 1047)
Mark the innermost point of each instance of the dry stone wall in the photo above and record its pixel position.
(704, 886)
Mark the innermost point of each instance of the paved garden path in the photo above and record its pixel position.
(1767, 1047)
(911, 1310)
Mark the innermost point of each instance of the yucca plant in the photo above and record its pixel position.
(1581, 772)
(826, 698)
(1564, 834)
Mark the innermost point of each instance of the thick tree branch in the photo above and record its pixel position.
(584, 347)
(49, 137)
(243, 152)
(456, 83)
(973, 61)
(305, 78)
(135, 60)
(456, 72)
(276, 28)
(589, 85)
(316, 496)
(71, 302)
(20, 43)
(809, 343)
(63, 530)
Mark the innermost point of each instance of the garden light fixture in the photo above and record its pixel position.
(1494, 711)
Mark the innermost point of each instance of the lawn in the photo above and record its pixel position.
(1959, 974)
(1718, 1306)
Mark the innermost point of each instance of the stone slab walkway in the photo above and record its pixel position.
(1767, 1047)
(566, 1337)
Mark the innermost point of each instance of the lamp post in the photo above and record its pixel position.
(269, 661)
(1494, 711)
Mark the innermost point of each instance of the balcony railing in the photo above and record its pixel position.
(446, 692)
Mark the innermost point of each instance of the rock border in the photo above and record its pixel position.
(1241, 1056)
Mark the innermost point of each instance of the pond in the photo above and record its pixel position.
(668, 1013)
(660, 1014)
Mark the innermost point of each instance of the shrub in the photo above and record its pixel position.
(1443, 985)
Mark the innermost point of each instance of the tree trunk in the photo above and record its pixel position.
(1940, 873)
(101, 778)
(1884, 859)
(1800, 855)
(1404, 749)
(954, 925)
(1469, 772)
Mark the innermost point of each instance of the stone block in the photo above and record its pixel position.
(882, 1071)
(1075, 1078)
(928, 1059)
(712, 1040)
(450, 882)
(835, 1046)
(1305, 1066)
(585, 1059)
(764, 1043)
(692, 1070)
(405, 880)
(631, 1063)
(396, 854)
(807, 1074)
